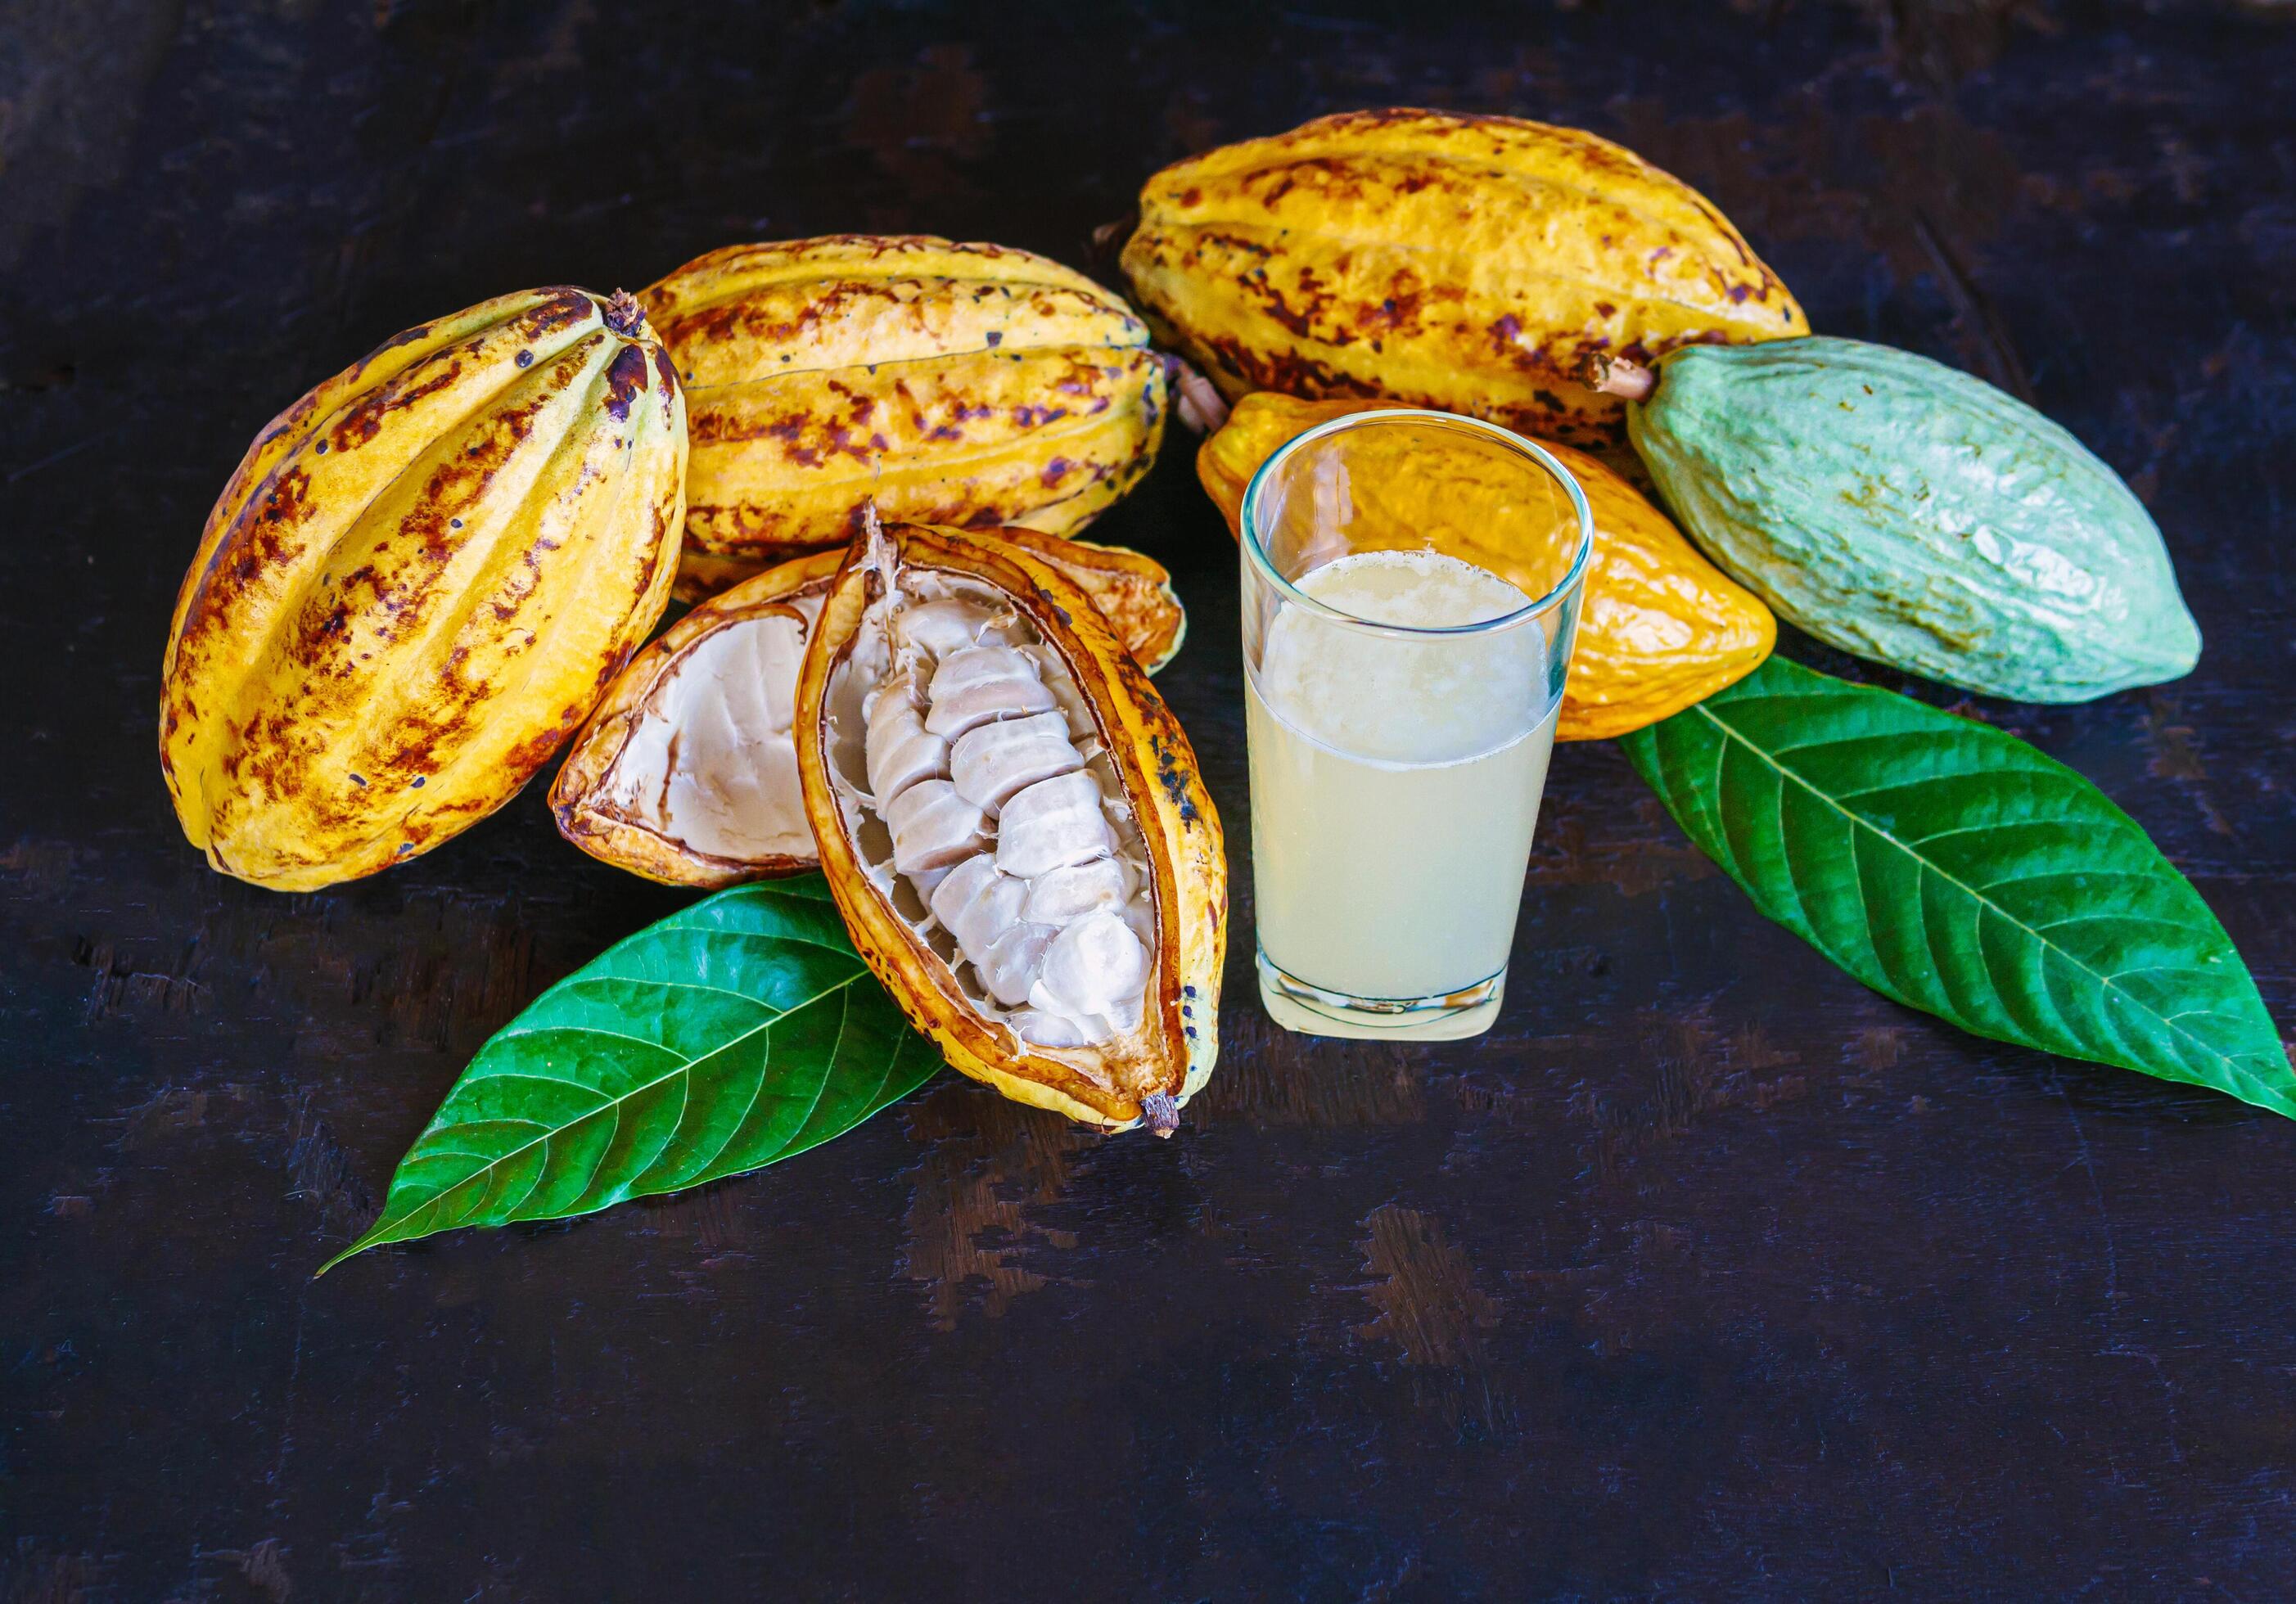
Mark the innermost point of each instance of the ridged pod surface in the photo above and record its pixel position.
(1660, 627)
(1906, 511)
(1463, 263)
(1012, 824)
(687, 772)
(949, 383)
(419, 582)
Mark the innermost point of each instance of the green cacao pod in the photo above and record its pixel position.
(1907, 513)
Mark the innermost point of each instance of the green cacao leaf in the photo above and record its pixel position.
(1955, 869)
(732, 1035)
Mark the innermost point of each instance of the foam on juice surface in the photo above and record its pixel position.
(1440, 698)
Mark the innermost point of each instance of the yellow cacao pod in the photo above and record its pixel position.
(1461, 263)
(418, 583)
(1013, 826)
(1660, 627)
(949, 383)
(687, 772)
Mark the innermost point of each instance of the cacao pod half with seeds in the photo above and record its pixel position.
(947, 383)
(1456, 262)
(418, 584)
(687, 772)
(1013, 826)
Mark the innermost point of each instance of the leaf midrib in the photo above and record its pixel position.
(613, 1104)
(1732, 732)
(828, 1069)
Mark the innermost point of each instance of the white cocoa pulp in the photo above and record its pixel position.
(709, 764)
(985, 804)
(992, 761)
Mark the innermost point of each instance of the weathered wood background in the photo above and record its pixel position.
(1706, 1274)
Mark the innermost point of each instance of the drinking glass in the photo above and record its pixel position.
(1411, 590)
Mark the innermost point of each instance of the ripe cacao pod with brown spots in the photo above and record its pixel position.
(420, 579)
(687, 772)
(1457, 262)
(1013, 826)
(955, 384)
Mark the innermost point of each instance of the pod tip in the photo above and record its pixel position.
(1616, 376)
(624, 316)
(1201, 407)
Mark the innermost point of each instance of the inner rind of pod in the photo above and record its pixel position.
(1035, 890)
(709, 764)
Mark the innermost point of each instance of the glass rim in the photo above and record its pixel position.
(1248, 524)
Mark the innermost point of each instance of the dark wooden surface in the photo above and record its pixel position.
(1706, 1274)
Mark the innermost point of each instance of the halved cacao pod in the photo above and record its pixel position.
(1013, 826)
(947, 383)
(1132, 591)
(1457, 262)
(418, 584)
(1660, 627)
(687, 773)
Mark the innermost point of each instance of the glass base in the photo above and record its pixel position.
(1311, 1010)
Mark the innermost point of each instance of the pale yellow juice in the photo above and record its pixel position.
(1395, 781)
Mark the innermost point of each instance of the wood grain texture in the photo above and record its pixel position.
(1708, 1273)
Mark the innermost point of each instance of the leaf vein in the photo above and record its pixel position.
(1731, 733)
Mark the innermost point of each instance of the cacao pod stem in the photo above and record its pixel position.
(1201, 408)
(1616, 376)
(879, 559)
(1161, 1113)
(1106, 242)
(623, 314)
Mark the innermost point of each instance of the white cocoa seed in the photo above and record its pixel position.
(899, 749)
(990, 762)
(1038, 1028)
(976, 904)
(1010, 967)
(1090, 968)
(1051, 824)
(933, 828)
(1060, 897)
(981, 682)
(943, 625)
